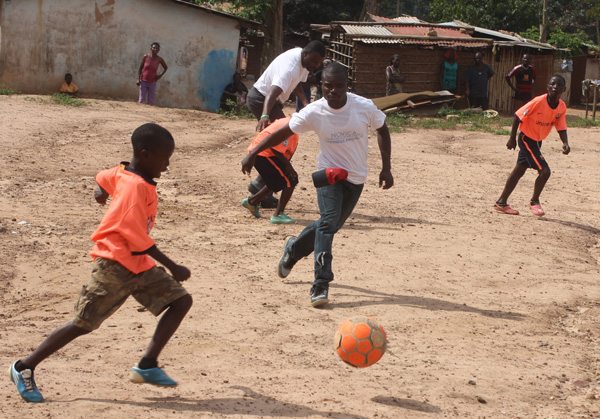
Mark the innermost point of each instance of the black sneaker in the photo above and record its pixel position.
(319, 296)
(286, 263)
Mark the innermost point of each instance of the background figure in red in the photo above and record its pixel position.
(147, 74)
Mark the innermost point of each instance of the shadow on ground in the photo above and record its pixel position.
(250, 403)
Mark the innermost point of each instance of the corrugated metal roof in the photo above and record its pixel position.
(366, 30)
(423, 30)
(466, 43)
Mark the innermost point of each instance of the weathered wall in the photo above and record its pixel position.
(592, 69)
(102, 43)
(421, 67)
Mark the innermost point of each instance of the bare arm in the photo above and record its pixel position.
(512, 140)
(141, 69)
(164, 66)
(180, 273)
(270, 100)
(508, 79)
(386, 180)
(565, 140)
(270, 141)
(299, 91)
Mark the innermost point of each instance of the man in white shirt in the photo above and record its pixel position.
(341, 121)
(280, 79)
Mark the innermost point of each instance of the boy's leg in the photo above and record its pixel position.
(55, 341)
(259, 196)
(285, 197)
(511, 183)
(540, 182)
(167, 325)
(22, 371)
(159, 293)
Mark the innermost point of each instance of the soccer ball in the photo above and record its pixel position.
(360, 342)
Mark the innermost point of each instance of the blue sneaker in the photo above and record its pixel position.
(154, 376)
(25, 384)
(252, 208)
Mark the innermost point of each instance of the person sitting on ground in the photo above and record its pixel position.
(535, 120)
(234, 94)
(276, 171)
(68, 87)
(125, 259)
(393, 77)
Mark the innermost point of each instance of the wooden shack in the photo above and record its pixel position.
(366, 48)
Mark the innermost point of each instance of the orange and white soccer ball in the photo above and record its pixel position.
(360, 342)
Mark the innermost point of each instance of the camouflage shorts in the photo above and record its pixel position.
(111, 284)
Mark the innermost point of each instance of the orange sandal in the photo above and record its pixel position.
(506, 209)
(536, 209)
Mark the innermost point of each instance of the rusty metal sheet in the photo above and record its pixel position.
(366, 30)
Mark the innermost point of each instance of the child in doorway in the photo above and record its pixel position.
(276, 171)
(534, 121)
(124, 264)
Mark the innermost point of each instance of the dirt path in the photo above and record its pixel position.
(487, 315)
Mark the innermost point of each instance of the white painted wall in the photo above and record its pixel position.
(102, 44)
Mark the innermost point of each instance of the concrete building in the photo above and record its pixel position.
(102, 43)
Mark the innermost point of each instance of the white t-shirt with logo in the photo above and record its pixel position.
(343, 133)
(285, 71)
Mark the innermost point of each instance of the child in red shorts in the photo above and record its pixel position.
(535, 120)
(276, 171)
(124, 264)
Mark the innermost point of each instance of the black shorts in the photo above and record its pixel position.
(530, 153)
(273, 173)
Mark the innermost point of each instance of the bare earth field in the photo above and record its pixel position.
(487, 315)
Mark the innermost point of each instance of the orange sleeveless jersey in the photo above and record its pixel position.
(538, 118)
(124, 232)
(287, 147)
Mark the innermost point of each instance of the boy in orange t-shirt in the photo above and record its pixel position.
(125, 259)
(535, 121)
(276, 171)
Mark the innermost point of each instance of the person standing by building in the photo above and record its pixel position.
(524, 75)
(450, 71)
(148, 74)
(393, 77)
(281, 78)
(477, 80)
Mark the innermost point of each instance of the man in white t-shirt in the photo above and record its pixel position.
(282, 77)
(341, 121)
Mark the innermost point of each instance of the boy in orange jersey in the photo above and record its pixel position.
(535, 120)
(276, 171)
(124, 264)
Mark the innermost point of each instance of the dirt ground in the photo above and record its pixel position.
(487, 315)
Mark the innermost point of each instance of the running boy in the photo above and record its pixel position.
(341, 121)
(535, 120)
(276, 171)
(124, 264)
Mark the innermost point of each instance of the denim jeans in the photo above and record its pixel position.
(336, 203)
